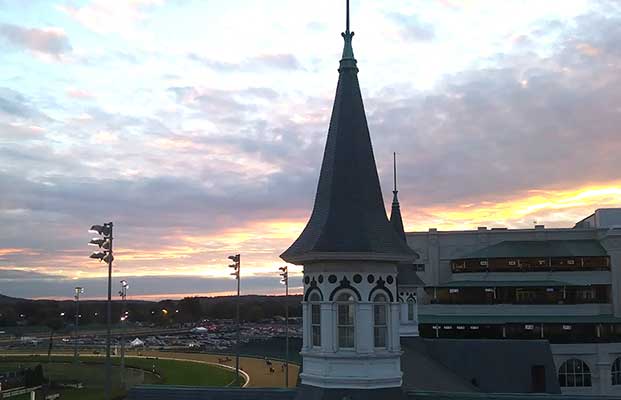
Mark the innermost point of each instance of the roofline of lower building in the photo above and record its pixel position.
(503, 230)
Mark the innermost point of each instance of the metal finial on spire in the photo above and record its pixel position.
(347, 23)
(348, 61)
(394, 156)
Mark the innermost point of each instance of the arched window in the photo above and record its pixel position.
(616, 372)
(345, 320)
(315, 319)
(574, 373)
(380, 320)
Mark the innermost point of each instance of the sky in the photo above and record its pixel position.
(198, 127)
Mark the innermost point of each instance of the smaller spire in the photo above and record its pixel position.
(394, 171)
(395, 213)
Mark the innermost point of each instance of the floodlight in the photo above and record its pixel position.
(104, 229)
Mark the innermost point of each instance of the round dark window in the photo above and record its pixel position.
(370, 279)
(320, 278)
(332, 279)
(306, 280)
(357, 278)
(390, 279)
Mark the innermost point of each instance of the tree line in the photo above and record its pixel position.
(59, 314)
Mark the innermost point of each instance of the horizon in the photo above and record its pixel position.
(502, 115)
(157, 300)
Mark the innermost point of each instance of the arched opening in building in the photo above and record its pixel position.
(574, 373)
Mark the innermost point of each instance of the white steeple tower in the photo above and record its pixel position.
(350, 254)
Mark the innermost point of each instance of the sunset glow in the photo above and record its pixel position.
(204, 138)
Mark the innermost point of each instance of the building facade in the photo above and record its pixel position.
(560, 285)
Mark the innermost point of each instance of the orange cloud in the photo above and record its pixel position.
(25, 251)
(559, 208)
(185, 253)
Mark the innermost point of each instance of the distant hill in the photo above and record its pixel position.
(9, 300)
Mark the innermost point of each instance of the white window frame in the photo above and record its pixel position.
(315, 302)
(352, 326)
(376, 304)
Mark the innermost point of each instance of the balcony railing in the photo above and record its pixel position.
(554, 332)
(531, 264)
(566, 295)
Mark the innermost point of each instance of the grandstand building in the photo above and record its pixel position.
(561, 285)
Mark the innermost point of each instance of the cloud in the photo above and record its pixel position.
(31, 284)
(201, 167)
(521, 123)
(16, 105)
(105, 16)
(52, 42)
(277, 61)
(287, 62)
(412, 27)
(79, 94)
(7, 275)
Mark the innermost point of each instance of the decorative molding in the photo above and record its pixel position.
(313, 287)
(345, 284)
(381, 285)
(407, 296)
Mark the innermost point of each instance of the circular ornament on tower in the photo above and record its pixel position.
(390, 279)
(320, 279)
(370, 278)
(306, 280)
(357, 278)
(332, 279)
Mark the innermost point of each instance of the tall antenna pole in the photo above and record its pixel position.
(394, 158)
(347, 24)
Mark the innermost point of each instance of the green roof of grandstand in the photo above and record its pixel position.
(539, 248)
(492, 283)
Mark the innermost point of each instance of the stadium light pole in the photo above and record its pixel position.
(236, 267)
(123, 294)
(78, 292)
(105, 254)
(284, 273)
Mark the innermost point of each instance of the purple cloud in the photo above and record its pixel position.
(265, 61)
(47, 41)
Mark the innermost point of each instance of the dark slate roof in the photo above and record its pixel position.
(161, 392)
(306, 392)
(407, 276)
(491, 366)
(540, 248)
(348, 217)
(422, 372)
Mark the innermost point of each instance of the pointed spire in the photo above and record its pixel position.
(349, 218)
(395, 213)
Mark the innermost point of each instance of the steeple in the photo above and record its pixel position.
(395, 213)
(348, 219)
